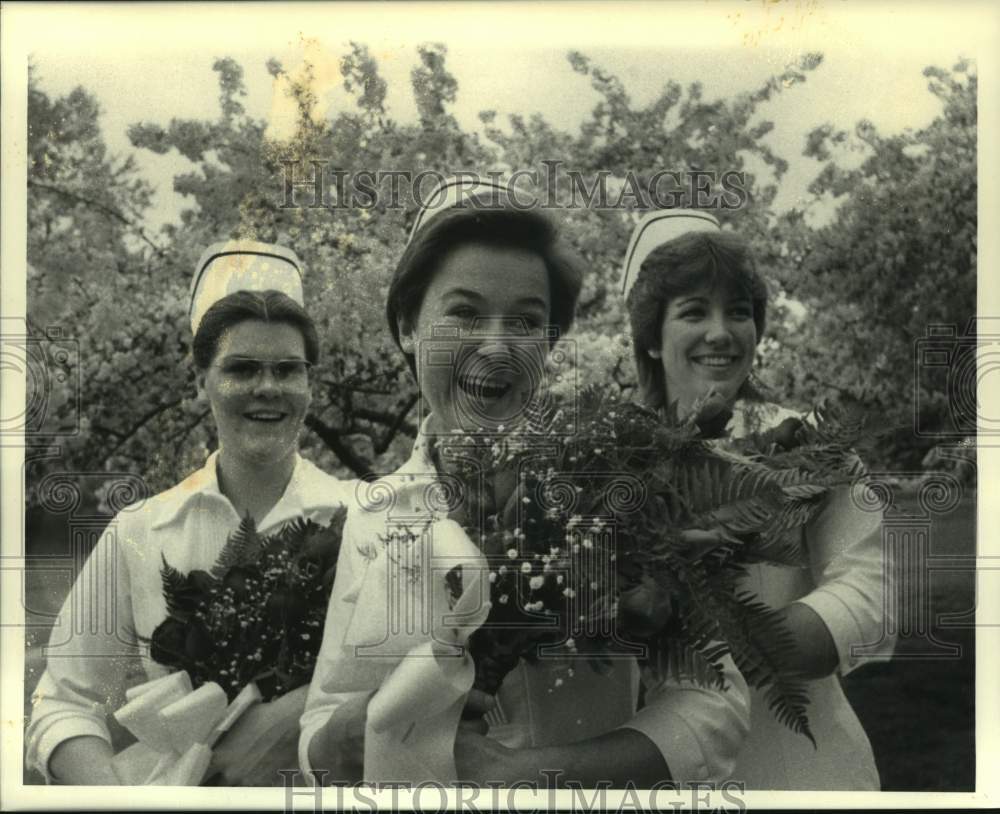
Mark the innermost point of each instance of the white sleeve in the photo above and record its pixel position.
(847, 561)
(320, 704)
(90, 646)
(698, 730)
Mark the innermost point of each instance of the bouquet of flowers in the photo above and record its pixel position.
(249, 630)
(622, 532)
(258, 615)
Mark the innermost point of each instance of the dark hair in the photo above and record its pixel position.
(266, 306)
(678, 267)
(500, 225)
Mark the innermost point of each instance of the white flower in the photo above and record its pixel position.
(502, 570)
(526, 568)
(560, 579)
(503, 599)
(569, 593)
(512, 553)
(536, 582)
(559, 682)
(493, 576)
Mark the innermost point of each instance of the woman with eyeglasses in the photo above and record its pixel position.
(253, 346)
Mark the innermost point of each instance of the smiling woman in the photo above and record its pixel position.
(697, 308)
(253, 351)
(481, 293)
(495, 301)
(253, 345)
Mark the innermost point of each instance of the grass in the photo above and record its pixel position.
(918, 712)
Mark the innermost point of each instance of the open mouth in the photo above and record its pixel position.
(484, 389)
(718, 360)
(265, 416)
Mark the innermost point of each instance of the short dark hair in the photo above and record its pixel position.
(678, 267)
(498, 224)
(266, 306)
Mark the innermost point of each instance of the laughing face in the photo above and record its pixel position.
(258, 388)
(479, 336)
(707, 342)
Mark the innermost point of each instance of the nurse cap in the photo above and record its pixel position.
(463, 191)
(242, 265)
(657, 228)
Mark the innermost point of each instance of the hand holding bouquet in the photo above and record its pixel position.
(249, 630)
(625, 533)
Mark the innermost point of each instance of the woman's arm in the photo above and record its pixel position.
(847, 609)
(815, 653)
(67, 738)
(83, 761)
(331, 737)
(684, 733)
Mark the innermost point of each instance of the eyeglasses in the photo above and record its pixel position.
(244, 370)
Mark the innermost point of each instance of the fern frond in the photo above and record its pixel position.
(242, 548)
(173, 583)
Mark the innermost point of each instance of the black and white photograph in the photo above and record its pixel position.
(499, 405)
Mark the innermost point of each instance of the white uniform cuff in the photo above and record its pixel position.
(848, 635)
(675, 739)
(60, 732)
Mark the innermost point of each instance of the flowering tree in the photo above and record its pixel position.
(897, 259)
(121, 291)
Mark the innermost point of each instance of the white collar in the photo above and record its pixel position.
(756, 416)
(308, 488)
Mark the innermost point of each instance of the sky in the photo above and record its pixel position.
(151, 62)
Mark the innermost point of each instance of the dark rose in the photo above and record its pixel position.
(320, 546)
(194, 590)
(166, 645)
(198, 645)
(786, 433)
(201, 581)
(286, 606)
(713, 416)
(237, 577)
(644, 609)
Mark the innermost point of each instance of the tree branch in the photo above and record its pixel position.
(145, 419)
(390, 433)
(107, 210)
(395, 421)
(332, 438)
